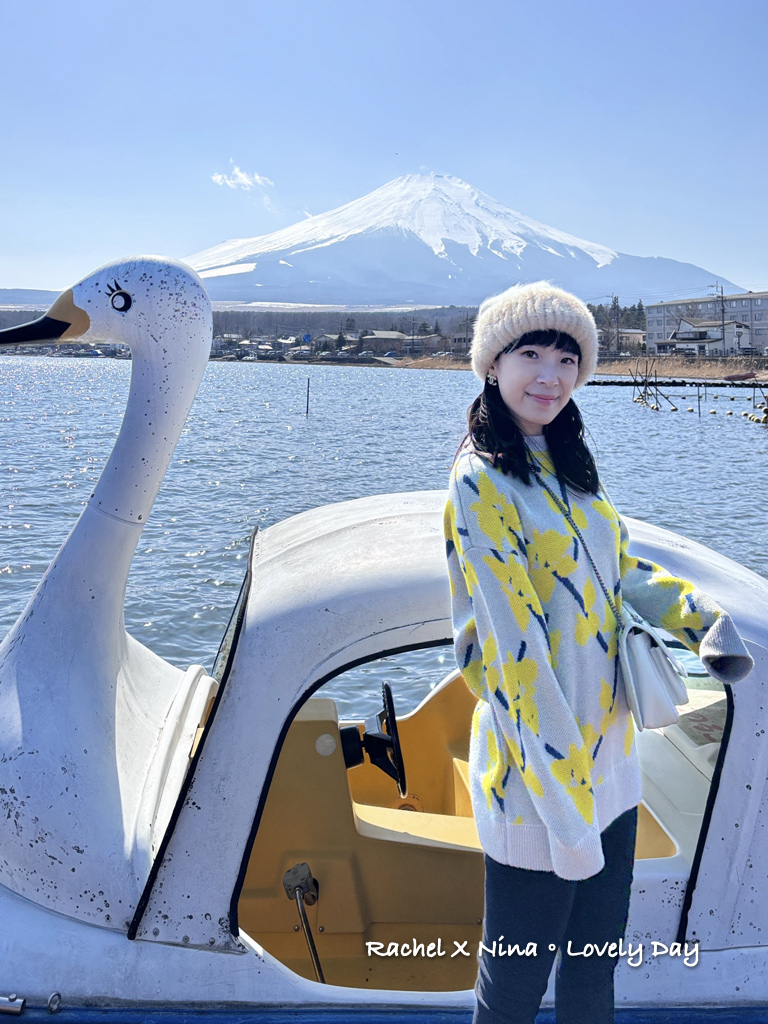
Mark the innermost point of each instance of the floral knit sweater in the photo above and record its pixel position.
(552, 752)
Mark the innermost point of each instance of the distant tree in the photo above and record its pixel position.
(690, 310)
(633, 316)
(605, 314)
(349, 324)
(340, 340)
(423, 328)
(612, 319)
(436, 329)
(467, 324)
(629, 316)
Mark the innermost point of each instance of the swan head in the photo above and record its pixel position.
(135, 301)
(160, 309)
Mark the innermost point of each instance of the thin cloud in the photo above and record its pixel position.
(241, 179)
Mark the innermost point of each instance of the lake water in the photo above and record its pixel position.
(249, 455)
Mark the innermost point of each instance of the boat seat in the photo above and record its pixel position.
(390, 823)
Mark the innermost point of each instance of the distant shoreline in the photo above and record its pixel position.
(663, 367)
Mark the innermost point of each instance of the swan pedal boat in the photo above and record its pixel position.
(152, 819)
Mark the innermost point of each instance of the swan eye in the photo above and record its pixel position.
(121, 301)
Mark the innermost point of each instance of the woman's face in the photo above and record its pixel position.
(536, 383)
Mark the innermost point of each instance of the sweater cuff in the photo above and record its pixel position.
(723, 654)
(576, 863)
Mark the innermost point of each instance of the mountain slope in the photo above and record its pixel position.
(427, 238)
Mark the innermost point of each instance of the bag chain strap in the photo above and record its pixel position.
(567, 513)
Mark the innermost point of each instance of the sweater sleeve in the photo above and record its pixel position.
(544, 741)
(686, 612)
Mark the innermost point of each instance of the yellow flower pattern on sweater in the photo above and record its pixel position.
(552, 755)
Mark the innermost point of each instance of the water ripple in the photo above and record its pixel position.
(249, 455)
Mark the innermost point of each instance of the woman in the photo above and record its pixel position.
(554, 773)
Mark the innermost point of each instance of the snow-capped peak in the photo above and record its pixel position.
(436, 208)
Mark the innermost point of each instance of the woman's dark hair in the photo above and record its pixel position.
(494, 433)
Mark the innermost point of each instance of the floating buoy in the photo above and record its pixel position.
(745, 413)
(729, 413)
(673, 408)
(733, 398)
(713, 412)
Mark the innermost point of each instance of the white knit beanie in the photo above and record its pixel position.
(532, 307)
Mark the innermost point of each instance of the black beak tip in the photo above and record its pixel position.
(45, 328)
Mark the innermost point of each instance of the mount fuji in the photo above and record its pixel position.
(430, 239)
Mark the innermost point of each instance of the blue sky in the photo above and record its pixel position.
(638, 125)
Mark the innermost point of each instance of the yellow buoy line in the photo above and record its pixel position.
(647, 391)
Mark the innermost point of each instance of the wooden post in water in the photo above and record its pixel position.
(698, 395)
(307, 412)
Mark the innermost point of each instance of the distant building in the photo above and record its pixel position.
(748, 308)
(224, 343)
(380, 342)
(460, 342)
(705, 338)
(629, 338)
(430, 343)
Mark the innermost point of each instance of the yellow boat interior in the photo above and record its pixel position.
(409, 870)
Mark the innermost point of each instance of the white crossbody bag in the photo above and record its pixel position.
(654, 679)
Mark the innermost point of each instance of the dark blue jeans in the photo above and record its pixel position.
(537, 906)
